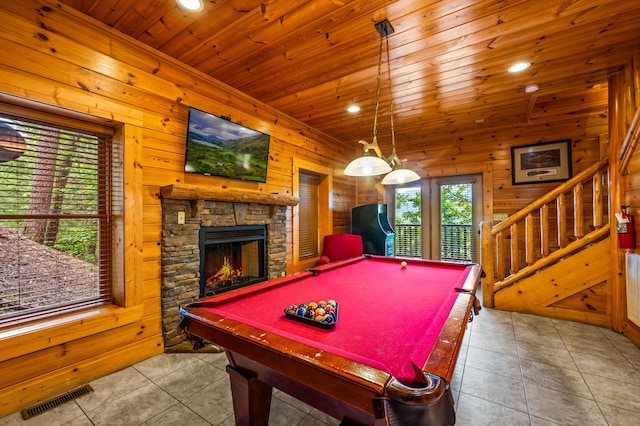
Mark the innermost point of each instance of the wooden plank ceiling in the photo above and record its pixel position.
(449, 60)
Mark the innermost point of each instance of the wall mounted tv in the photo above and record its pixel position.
(217, 146)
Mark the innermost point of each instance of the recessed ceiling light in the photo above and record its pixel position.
(192, 5)
(353, 108)
(531, 88)
(519, 66)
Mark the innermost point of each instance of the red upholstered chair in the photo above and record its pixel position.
(340, 247)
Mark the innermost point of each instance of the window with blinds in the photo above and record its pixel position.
(56, 199)
(308, 235)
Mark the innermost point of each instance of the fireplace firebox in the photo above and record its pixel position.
(231, 257)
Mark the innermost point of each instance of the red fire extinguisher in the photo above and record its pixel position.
(626, 232)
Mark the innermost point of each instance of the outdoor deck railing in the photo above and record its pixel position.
(455, 240)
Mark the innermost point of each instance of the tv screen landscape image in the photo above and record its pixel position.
(220, 147)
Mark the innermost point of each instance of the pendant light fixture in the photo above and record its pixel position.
(369, 165)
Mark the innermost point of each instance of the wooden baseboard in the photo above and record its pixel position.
(632, 332)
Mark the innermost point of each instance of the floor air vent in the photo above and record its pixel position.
(56, 402)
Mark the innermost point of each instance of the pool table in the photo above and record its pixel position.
(387, 359)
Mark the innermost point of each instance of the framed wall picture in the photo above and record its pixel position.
(542, 162)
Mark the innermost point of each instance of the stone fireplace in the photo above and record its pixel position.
(236, 224)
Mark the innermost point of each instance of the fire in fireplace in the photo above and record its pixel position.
(231, 257)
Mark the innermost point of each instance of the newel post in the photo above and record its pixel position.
(488, 260)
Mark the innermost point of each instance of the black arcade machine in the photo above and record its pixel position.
(371, 221)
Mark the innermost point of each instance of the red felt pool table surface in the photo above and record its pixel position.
(389, 317)
(398, 334)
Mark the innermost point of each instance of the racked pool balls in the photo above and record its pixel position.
(324, 312)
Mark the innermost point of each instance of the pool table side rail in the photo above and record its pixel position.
(443, 357)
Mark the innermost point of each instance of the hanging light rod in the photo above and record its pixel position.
(368, 165)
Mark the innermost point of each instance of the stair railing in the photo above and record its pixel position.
(545, 231)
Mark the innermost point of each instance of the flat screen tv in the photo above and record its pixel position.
(217, 146)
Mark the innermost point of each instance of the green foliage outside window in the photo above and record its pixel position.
(408, 210)
(456, 204)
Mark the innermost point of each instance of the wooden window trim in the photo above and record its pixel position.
(325, 214)
(127, 307)
(22, 339)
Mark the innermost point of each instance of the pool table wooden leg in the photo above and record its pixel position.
(251, 398)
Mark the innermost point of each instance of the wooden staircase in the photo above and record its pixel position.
(552, 258)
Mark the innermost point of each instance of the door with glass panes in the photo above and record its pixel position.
(439, 218)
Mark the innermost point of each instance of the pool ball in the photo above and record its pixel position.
(292, 310)
(403, 264)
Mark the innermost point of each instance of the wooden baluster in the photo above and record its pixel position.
(503, 270)
(544, 230)
(528, 243)
(598, 202)
(562, 220)
(578, 211)
(514, 248)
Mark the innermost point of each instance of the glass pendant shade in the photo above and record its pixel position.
(367, 165)
(400, 176)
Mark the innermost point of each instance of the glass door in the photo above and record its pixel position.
(456, 204)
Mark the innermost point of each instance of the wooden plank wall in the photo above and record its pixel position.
(56, 57)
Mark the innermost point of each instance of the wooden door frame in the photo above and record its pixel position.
(484, 169)
(433, 237)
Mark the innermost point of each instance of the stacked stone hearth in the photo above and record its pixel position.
(181, 254)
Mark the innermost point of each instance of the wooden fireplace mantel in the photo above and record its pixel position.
(204, 192)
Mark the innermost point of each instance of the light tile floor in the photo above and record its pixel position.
(513, 369)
